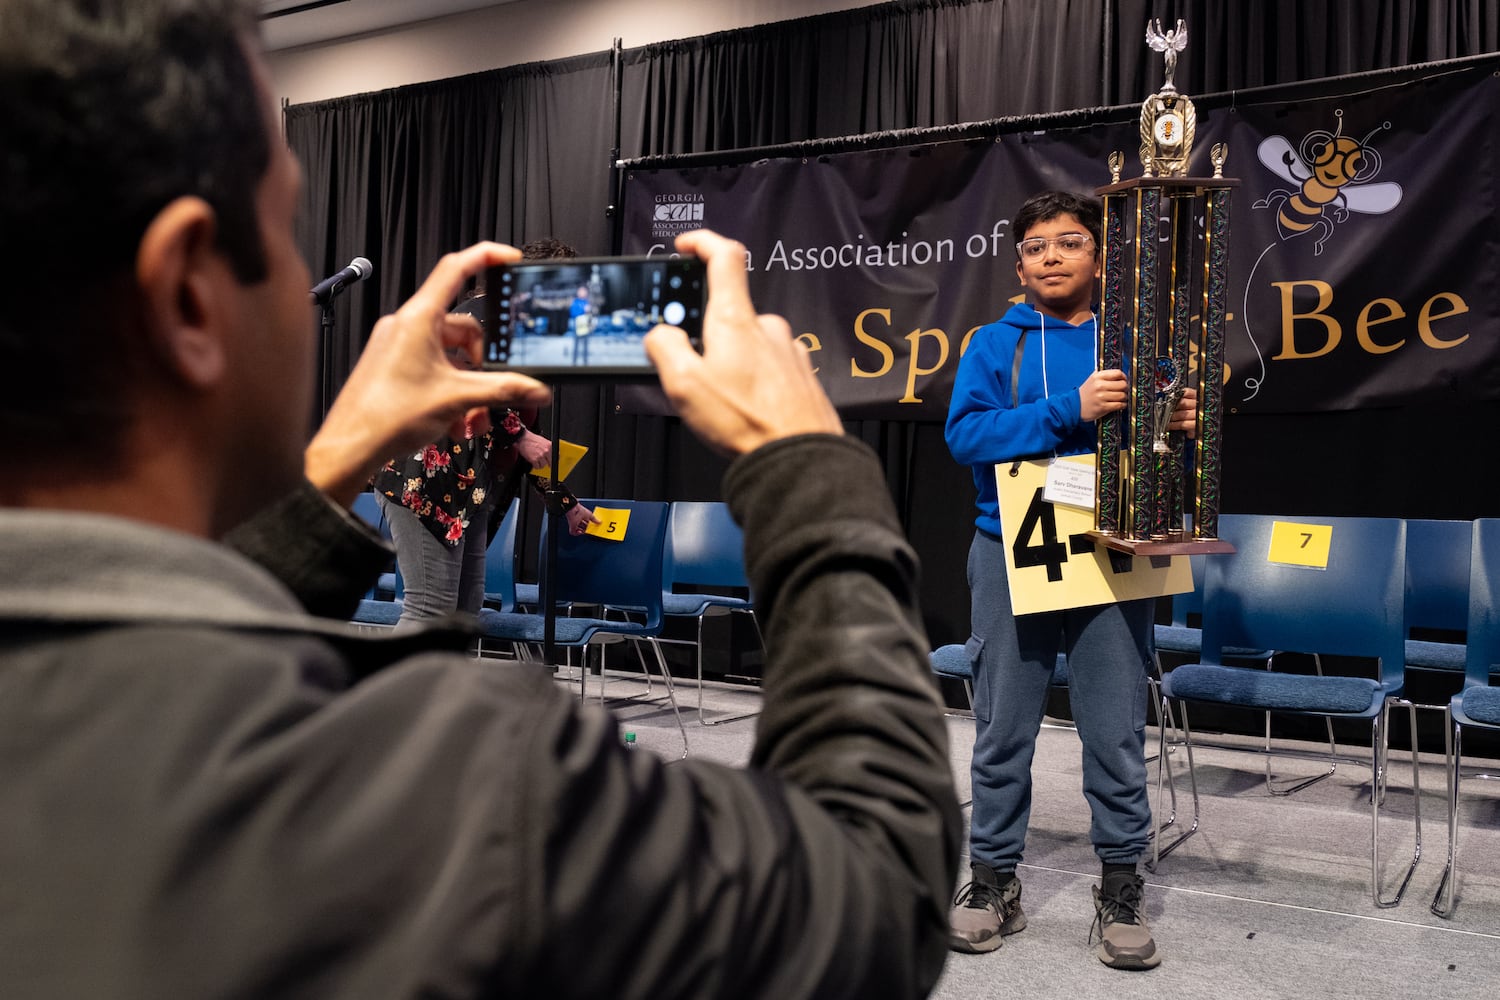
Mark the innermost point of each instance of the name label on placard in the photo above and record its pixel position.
(1294, 544)
(1070, 482)
(1052, 563)
(611, 524)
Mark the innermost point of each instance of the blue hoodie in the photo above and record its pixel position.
(985, 429)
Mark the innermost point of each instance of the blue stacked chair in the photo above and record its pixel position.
(1477, 704)
(602, 573)
(382, 605)
(705, 548)
(1354, 606)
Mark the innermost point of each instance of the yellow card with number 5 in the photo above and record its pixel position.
(1294, 544)
(611, 524)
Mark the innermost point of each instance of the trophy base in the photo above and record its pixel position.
(1177, 544)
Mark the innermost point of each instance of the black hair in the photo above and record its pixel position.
(542, 249)
(113, 108)
(546, 249)
(1051, 204)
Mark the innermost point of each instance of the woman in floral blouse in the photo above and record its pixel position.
(438, 503)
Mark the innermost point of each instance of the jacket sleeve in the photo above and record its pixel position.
(325, 555)
(985, 426)
(823, 869)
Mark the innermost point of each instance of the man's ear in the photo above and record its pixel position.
(182, 279)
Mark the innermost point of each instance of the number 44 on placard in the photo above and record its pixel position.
(1052, 561)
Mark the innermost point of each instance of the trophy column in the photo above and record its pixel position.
(1162, 321)
(1207, 459)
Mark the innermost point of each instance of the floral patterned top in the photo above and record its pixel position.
(451, 480)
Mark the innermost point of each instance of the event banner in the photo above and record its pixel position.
(1363, 261)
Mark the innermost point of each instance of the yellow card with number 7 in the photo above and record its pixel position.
(1294, 544)
(611, 524)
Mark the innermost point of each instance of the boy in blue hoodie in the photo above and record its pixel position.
(1029, 387)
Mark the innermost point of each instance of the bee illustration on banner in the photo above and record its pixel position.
(1334, 174)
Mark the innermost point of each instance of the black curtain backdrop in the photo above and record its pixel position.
(402, 176)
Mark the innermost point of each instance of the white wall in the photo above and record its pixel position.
(512, 34)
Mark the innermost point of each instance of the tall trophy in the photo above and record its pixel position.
(1166, 254)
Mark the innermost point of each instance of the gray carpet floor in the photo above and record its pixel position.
(1271, 898)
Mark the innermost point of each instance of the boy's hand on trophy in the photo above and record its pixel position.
(1102, 392)
(1185, 417)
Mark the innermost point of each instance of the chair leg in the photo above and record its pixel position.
(1166, 721)
(702, 719)
(1296, 785)
(1453, 760)
(521, 651)
(1154, 680)
(1163, 715)
(661, 663)
(645, 670)
(1157, 851)
(583, 676)
(1379, 747)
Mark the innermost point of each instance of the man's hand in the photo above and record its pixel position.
(1102, 392)
(753, 383)
(404, 392)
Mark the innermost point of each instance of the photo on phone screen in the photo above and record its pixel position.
(588, 317)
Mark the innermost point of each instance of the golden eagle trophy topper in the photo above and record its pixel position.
(1161, 319)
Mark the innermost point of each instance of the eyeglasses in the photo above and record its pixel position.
(1070, 245)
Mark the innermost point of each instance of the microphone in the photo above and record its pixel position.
(359, 268)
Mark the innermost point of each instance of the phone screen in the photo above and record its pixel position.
(588, 317)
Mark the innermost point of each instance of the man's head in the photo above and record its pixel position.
(1057, 249)
(546, 248)
(144, 165)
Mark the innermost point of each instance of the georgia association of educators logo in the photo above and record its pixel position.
(676, 213)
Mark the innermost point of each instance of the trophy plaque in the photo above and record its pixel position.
(1165, 265)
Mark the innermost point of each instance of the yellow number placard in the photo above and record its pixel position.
(1294, 544)
(1051, 561)
(611, 524)
(568, 455)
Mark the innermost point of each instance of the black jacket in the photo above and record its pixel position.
(208, 793)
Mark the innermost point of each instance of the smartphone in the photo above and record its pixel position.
(587, 317)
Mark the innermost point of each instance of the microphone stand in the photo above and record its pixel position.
(325, 345)
(553, 495)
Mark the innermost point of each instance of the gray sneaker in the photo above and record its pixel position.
(1124, 939)
(985, 909)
